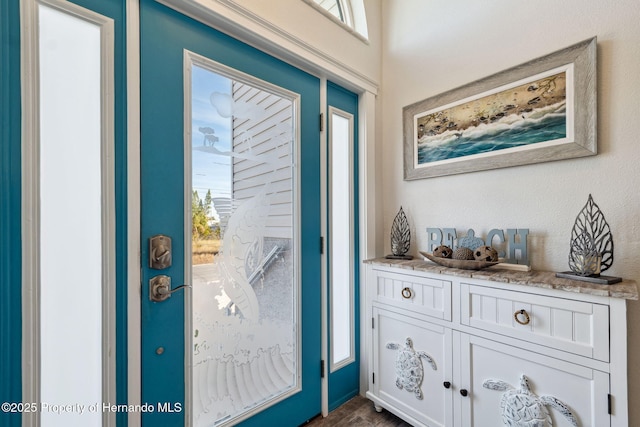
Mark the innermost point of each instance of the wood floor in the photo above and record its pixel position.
(358, 412)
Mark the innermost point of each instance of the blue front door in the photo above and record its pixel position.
(230, 173)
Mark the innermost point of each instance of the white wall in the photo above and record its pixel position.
(303, 21)
(432, 46)
(298, 33)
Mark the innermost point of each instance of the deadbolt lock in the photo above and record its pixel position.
(160, 252)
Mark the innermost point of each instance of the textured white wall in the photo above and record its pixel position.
(299, 19)
(432, 46)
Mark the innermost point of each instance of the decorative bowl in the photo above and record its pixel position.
(459, 263)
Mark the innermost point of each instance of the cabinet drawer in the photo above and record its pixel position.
(428, 296)
(574, 326)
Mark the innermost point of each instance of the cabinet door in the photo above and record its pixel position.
(492, 373)
(412, 361)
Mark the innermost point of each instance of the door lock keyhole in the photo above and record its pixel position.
(160, 252)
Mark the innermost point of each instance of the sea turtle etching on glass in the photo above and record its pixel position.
(522, 408)
(409, 370)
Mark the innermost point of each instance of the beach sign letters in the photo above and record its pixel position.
(511, 249)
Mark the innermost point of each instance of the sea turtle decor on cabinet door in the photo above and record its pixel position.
(409, 370)
(522, 408)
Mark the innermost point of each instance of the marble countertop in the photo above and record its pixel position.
(627, 289)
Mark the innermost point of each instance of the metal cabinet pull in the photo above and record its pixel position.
(446, 384)
(524, 314)
(464, 392)
(407, 293)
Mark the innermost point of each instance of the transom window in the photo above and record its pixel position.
(339, 8)
(348, 13)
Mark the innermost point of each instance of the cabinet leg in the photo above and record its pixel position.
(378, 408)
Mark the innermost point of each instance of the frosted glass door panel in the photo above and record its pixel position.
(340, 222)
(74, 264)
(244, 245)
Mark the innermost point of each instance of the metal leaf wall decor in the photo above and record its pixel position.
(400, 234)
(591, 229)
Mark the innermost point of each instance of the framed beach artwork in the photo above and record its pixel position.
(540, 111)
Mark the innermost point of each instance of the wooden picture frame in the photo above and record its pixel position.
(539, 111)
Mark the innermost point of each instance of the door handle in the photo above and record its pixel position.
(160, 288)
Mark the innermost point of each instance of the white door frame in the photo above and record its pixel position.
(134, 381)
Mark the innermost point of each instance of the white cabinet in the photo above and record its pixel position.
(430, 402)
(449, 349)
(584, 391)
